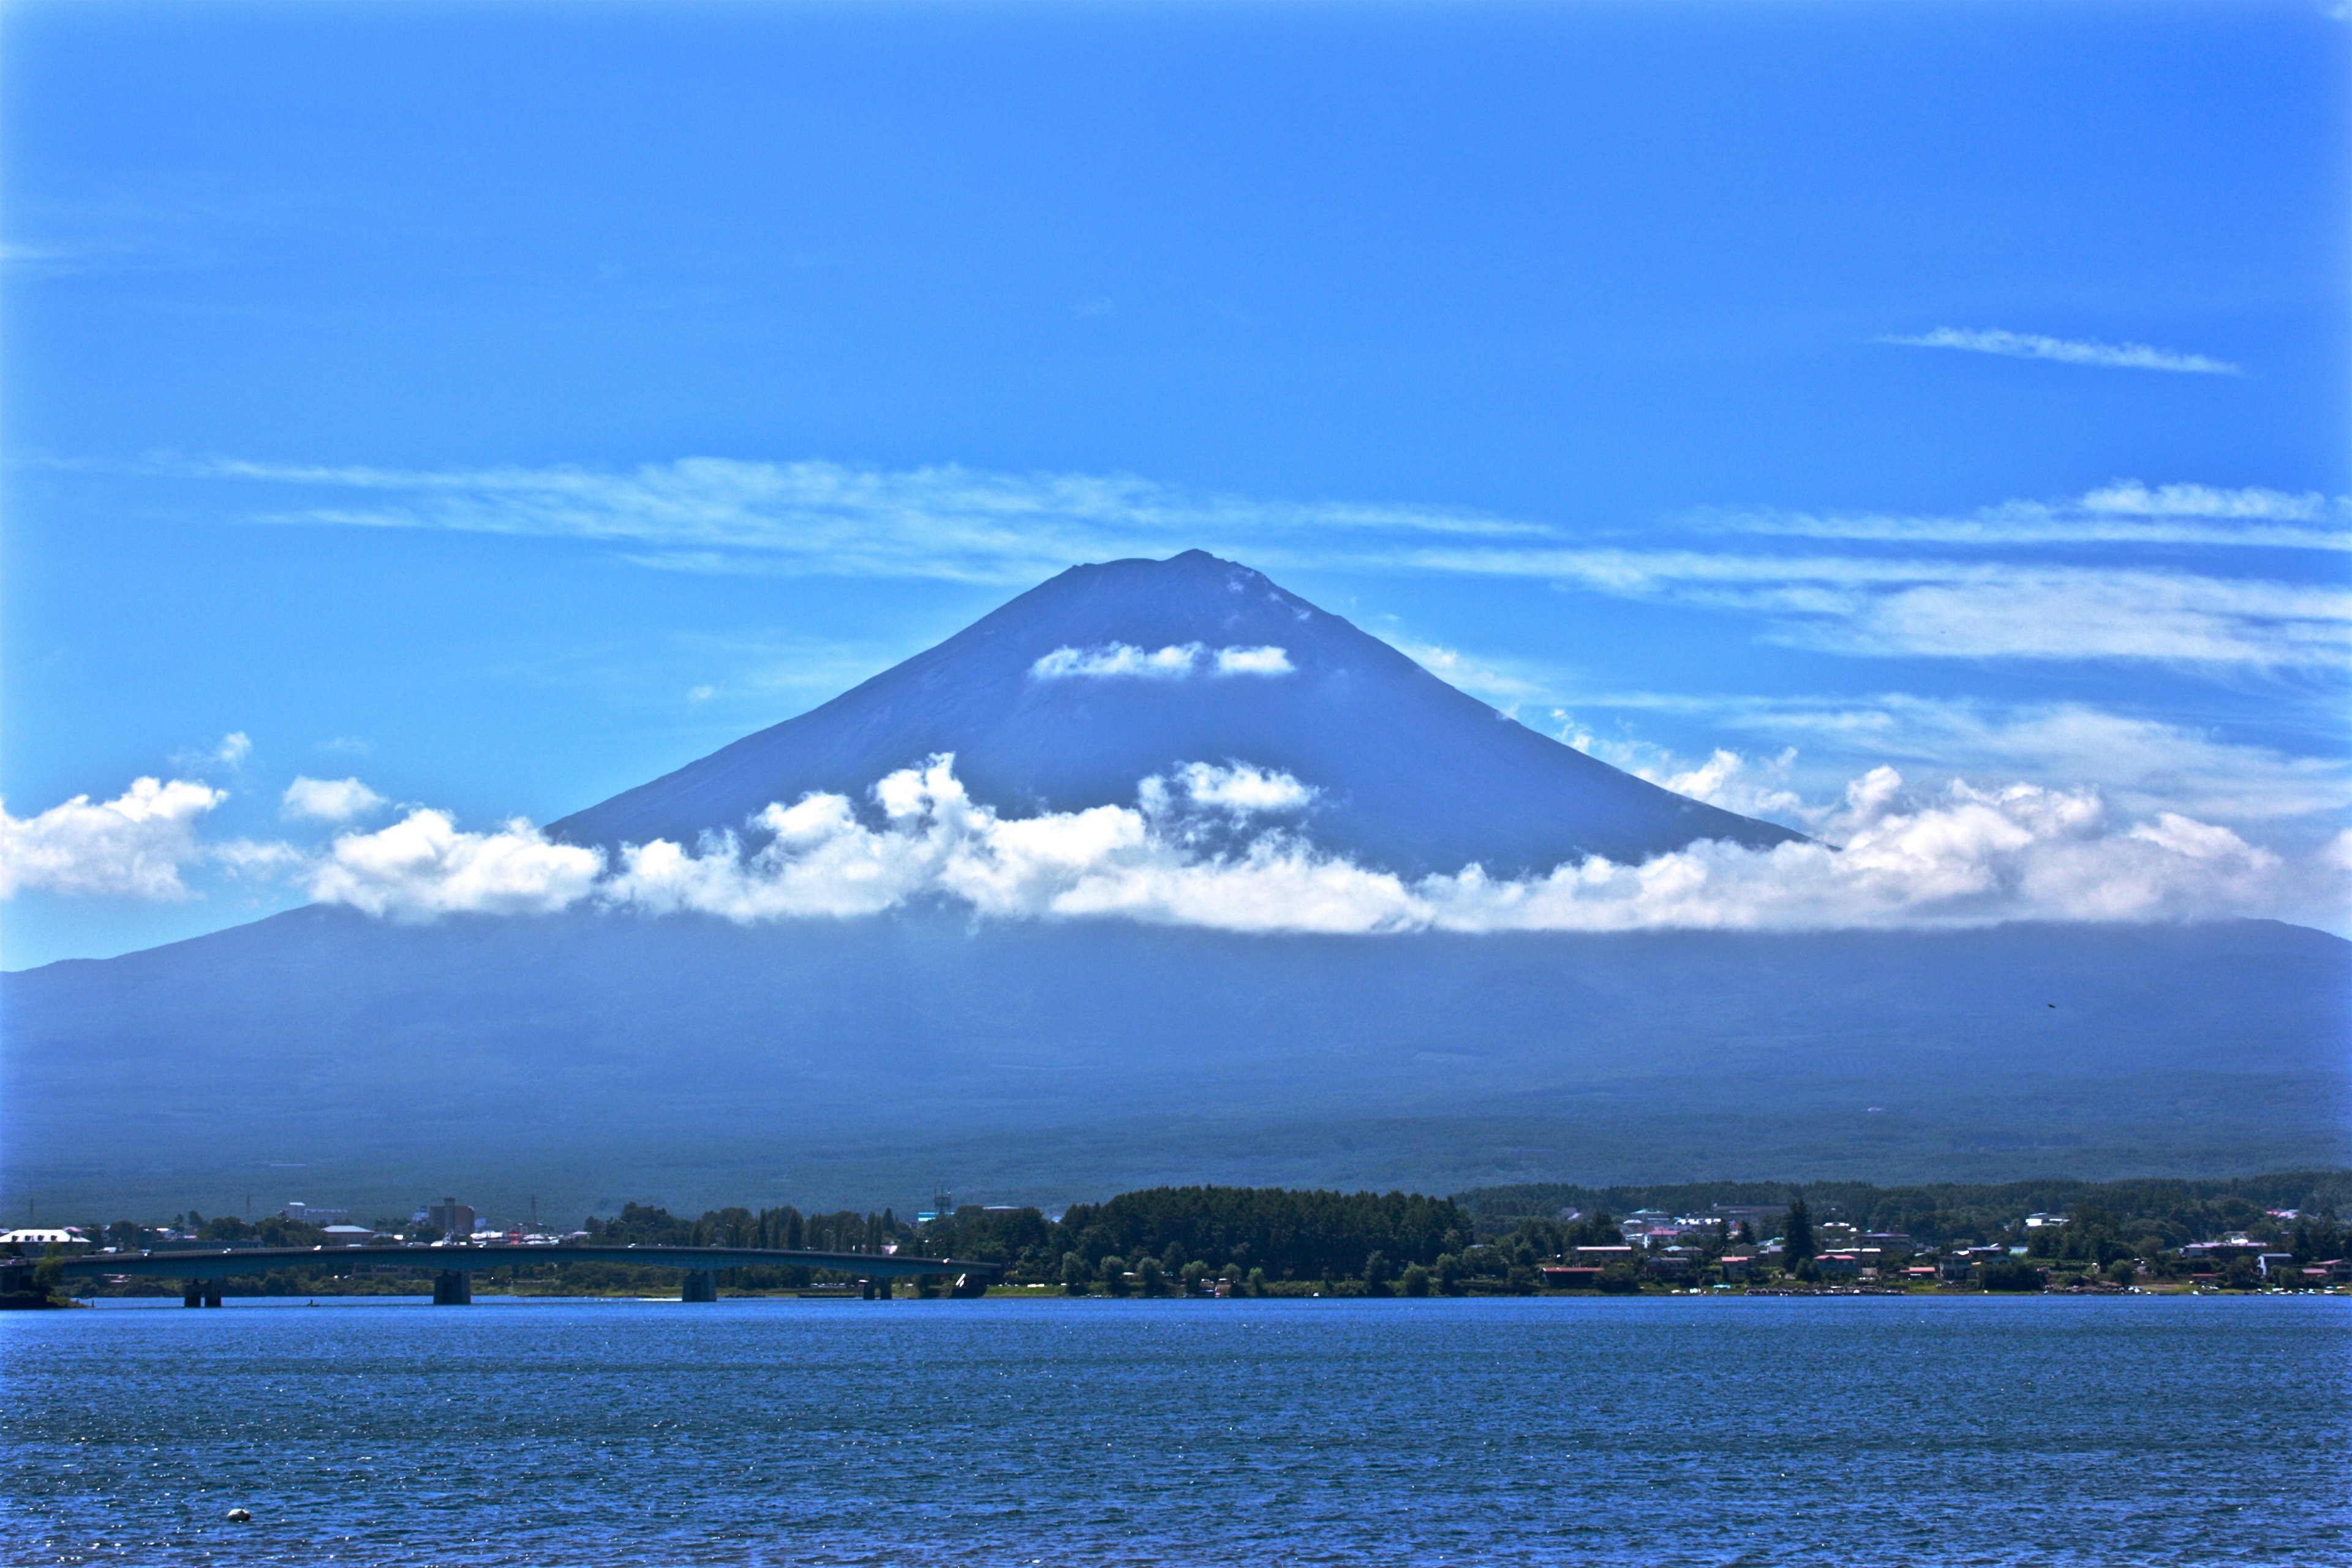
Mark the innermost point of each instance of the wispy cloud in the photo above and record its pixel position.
(1944, 598)
(329, 800)
(2125, 512)
(2065, 350)
(1941, 608)
(826, 518)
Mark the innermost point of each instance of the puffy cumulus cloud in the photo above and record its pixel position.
(423, 867)
(1965, 857)
(1241, 789)
(936, 842)
(134, 845)
(1961, 855)
(1118, 661)
(1735, 783)
(329, 800)
(1253, 661)
(1218, 847)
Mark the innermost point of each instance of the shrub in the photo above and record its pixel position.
(2011, 1274)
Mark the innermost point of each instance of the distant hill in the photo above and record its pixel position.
(592, 1059)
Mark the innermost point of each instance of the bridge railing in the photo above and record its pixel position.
(467, 1258)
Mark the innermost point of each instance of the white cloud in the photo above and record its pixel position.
(1879, 607)
(230, 753)
(945, 523)
(1253, 661)
(2146, 766)
(329, 800)
(1241, 789)
(1118, 661)
(2066, 351)
(423, 867)
(2123, 511)
(1191, 852)
(134, 845)
(1962, 856)
(1736, 784)
(957, 525)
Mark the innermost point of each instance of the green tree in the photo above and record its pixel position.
(2011, 1274)
(1256, 1283)
(1113, 1274)
(1151, 1279)
(1075, 1275)
(1376, 1274)
(1416, 1280)
(1797, 1245)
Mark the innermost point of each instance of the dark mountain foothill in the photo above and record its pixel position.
(596, 1057)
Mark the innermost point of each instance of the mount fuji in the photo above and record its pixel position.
(1108, 674)
(602, 1053)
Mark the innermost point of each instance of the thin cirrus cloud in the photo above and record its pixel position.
(1125, 661)
(2122, 512)
(1934, 607)
(2064, 351)
(1981, 586)
(1960, 854)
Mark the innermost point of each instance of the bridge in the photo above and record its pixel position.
(453, 1267)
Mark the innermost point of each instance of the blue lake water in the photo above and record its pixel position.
(1654, 1431)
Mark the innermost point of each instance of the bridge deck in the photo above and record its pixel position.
(467, 1259)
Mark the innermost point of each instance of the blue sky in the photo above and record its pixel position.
(503, 405)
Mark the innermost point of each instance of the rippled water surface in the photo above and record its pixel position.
(1652, 1431)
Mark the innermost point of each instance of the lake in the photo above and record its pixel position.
(1655, 1431)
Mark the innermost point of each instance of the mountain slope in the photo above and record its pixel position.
(588, 1057)
(1414, 775)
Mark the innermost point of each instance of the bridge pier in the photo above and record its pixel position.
(191, 1293)
(453, 1288)
(699, 1288)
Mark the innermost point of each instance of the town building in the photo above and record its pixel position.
(451, 1217)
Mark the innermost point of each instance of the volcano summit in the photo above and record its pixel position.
(1109, 674)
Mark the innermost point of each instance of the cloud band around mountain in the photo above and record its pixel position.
(1225, 847)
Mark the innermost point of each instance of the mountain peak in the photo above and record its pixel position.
(1072, 694)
